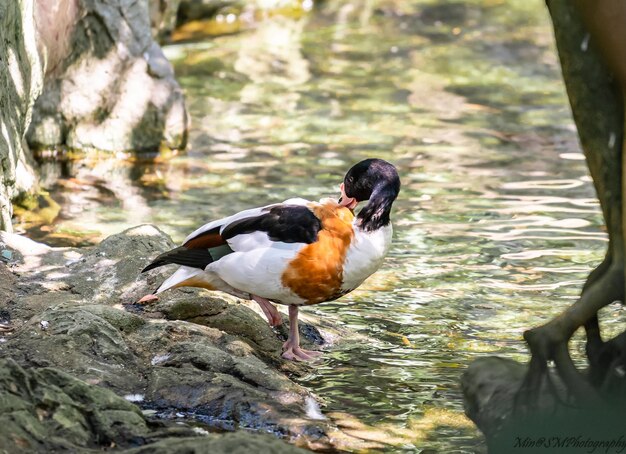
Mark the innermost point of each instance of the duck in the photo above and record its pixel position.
(295, 253)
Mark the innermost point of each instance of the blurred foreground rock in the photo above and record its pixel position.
(489, 387)
(82, 360)
(556, 425)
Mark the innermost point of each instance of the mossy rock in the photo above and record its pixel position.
(231, 443)
(46, 409)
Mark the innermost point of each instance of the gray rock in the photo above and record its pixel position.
(105, 274)
(47, 410)
(111, 272)
(489, 386)
(21, 80)
(7, 285)
(81, 342)
(232, 443)
(113, 89)
(107, 84)
(194, 353)
(233, 318)
(214, 375)
(158, 65)
(489, 389)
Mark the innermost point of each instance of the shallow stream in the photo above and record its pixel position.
(496, 226)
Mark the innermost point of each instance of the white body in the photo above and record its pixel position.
(257, 264)
(365, 255)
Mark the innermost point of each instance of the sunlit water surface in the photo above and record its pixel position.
(496, 226)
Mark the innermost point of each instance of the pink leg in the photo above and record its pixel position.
(151, 298)
(291, 348)
(270, 311)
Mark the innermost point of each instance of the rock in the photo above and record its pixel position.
(193, 355)
(233, 318)
(232, 443)
(489, 386)
(189, 308)
(110, 273)
(220, 378)
(7, 285)
(46, 410)
(104, 83)
(82, 342)
(21, 81)
(112, 89)
(556, 424)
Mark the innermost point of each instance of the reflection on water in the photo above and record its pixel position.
(496, 226)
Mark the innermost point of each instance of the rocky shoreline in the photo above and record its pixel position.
(86, 367)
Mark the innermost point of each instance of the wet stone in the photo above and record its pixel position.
(234, 443)
(80, 342)
(49, 409)
(210, 359)
(191, 306)
(490, 386)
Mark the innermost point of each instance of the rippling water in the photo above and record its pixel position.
(496, 226)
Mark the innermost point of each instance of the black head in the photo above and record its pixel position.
(363, 178)
(377, 181)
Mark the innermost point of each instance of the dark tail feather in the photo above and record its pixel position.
(195, 258)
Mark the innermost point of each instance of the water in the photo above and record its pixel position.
(496, 226)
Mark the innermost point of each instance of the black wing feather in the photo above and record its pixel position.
(196, 258)
(285, 223)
